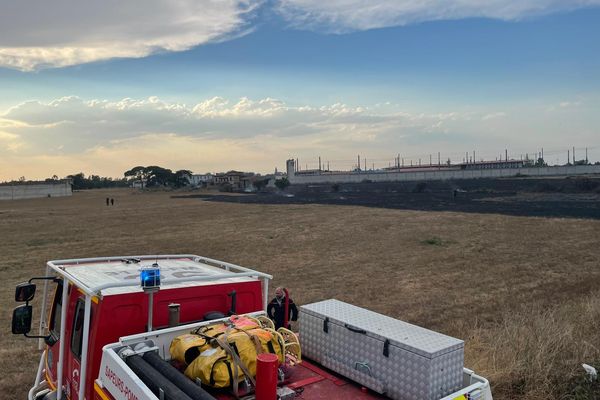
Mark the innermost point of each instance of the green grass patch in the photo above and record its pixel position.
(434, 241)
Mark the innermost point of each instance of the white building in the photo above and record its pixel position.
(202, 179)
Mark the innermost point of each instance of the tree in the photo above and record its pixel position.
(158, 176)
(182, 177)
(282, 183)
(540, 163)
(138, 173)
(260, 184)
(78, 181)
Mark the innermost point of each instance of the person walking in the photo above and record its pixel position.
(276, 309)
(112, 202)
(107, 201)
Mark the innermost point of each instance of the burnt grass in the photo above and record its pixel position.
(552, 197)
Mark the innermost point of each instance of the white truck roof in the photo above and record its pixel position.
(118, 275)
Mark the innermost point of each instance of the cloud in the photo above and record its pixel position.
(71, 134)
(494, 115)
(71, 124)
(341, 16)
(60, 33)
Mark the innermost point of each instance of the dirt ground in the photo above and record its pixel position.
(522, 291)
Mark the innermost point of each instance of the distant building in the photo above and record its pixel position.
(498, 164)
(235, 180)
(202, 180)
(138, 184)
(31, 190)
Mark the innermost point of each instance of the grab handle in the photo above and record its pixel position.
(354, 329)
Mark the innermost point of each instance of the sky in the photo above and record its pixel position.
(215, 85)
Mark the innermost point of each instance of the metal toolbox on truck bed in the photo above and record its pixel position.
(389, 356)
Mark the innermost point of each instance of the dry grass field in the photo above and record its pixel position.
(523, 292)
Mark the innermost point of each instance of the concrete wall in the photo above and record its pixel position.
(380, 176)
(35, 190)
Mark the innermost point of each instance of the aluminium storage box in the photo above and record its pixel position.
(389, 356)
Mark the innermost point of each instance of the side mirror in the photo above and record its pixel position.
(21, 320)
(25, 291)
(51, 339)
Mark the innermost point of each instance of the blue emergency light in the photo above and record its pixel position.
(150, 277)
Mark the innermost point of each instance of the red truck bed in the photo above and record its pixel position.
(312, 382)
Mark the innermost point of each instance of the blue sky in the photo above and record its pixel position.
(258, 82)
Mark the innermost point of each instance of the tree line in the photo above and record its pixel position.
(155, 176)
(80, 181)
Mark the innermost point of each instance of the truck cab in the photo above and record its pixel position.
(93, 308)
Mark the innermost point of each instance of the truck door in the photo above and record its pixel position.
(55, 328)
(75, 347)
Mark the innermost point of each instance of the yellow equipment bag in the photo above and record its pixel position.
(217, 353)
(186, 348)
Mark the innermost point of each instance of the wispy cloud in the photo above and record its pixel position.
(60, 33)
(341, 16)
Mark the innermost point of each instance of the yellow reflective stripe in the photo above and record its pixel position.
(100, 392)
(94, 298)
(52, 386)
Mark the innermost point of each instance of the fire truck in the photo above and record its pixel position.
(106, 326)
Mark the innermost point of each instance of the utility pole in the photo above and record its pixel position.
(505, 154)
(568, 158)
(319, 163)
(439, 160)
(573, 155)
(365, 164)
(586, 159)
(358, 164)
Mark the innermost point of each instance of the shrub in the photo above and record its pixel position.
(434, 241)
(420, 187)
(586, 185)
(282, 183)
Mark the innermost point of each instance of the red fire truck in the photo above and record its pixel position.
(98, 313)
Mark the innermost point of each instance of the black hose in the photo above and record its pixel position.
(176, 377)
(154, 379)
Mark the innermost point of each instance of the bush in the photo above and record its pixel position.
(225, 187)
(547, 188)
(282, 183)
(420, 187)
(434, 241)
(582, 388)
(586, 185)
